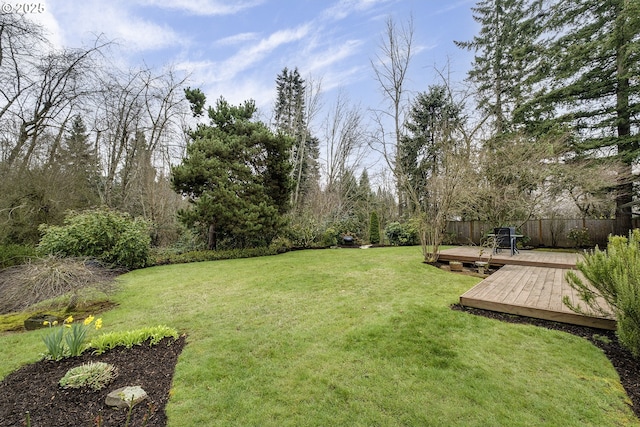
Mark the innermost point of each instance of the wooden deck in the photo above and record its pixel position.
(529, 284)
(470, 254)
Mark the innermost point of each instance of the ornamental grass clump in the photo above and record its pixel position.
(612, 276)
(95, 375)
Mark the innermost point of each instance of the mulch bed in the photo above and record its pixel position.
(627, 367)
(34, 388)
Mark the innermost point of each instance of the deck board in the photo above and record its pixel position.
(529, 284)
(470, 254)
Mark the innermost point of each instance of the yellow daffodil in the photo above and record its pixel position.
(88, 320)
(66, 325)
(68, 319)
(45, 323)
(55, 322)
(98, 324)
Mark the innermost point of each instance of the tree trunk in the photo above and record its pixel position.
(212, 238)
(626, 149)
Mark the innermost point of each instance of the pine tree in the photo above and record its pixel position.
(290, 119)
(236, 174)
(79, 162)
(289, 110)
(505, 55)
(433, 120)
(587, 83)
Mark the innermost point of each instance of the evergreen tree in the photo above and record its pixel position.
(505, 55)
(79, 163)
(587, 82)
(289, 110)
(374, 229)
(433, 120)
(365, 194)
(237, 177)
(290, 118)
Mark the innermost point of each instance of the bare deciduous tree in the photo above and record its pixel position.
(390, 68)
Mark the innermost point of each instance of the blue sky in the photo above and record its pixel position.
(236, 49)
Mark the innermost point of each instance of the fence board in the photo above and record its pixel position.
(540, 232)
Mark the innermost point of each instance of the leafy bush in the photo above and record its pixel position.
(304, 233)
(110, 236)
(11, 255)
(580, 237)
(329, 237)
(280, 245)
(614, 276)
(402, 234)
(93, 374)
(128, 339)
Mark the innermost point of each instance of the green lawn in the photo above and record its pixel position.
(352, 337)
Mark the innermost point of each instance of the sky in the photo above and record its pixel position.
(235, 49)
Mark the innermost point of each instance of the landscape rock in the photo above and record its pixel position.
(37, 321)
(126, 396)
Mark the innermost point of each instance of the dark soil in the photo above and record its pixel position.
(34, 388)
(627, 367)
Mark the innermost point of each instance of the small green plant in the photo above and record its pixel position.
(601, 338)
(95, 375)
(54, 340)
(580, 237)
(68, 339)
(76, 338)
(611, 286)
(128, 339)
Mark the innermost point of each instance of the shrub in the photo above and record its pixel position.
(165, 257)
(93, 374)
(110, 236)
(402, 234)
(580, 237)
(11, 255)
(280, 245)
(374, 229)
(329, 237)
(304, 233)
(614, 276)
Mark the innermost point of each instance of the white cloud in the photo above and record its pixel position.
(204, 7)
(237, 38)
(253, 54)
(336, 53)
(344, 8)
(80, 25)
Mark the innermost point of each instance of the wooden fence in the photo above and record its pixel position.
(538, 232)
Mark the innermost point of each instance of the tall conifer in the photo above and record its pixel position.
(588, 82)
